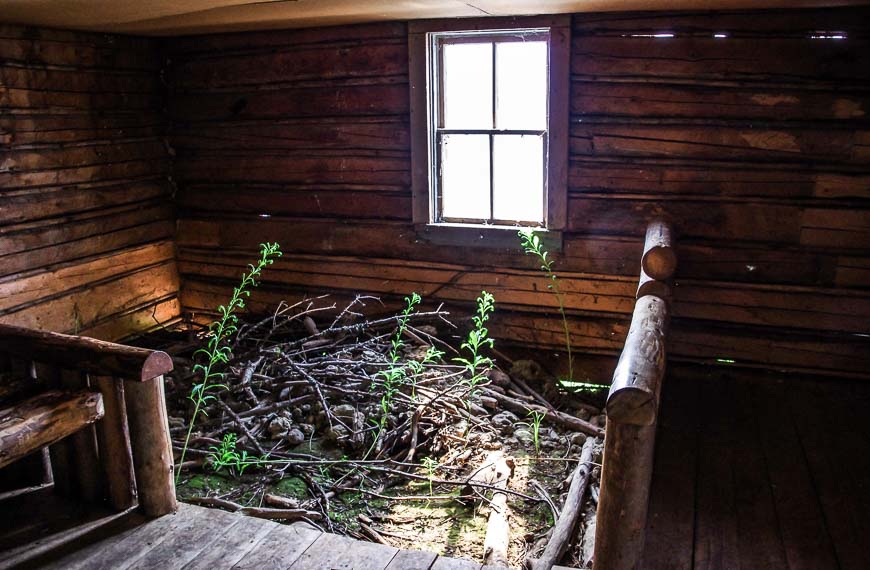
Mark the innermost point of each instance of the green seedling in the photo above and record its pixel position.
(217, 351)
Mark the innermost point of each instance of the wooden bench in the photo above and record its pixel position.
(100, 410)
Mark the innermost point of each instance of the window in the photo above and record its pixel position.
(489, 123)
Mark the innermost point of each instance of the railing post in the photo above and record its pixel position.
(632, 414)
(114, 439)
(152, 448)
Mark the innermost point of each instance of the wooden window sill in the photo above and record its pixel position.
(474, 235)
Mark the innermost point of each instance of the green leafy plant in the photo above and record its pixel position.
(225, 456)
(217, 352)
(532, 245)
(478, 365)
(535, 425)
(395, 376)
(430, 465)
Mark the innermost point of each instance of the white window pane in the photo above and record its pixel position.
(465, 176)
(467, 86)
(521, 93)
(518, 178)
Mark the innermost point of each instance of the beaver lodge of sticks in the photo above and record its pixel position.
(575, 289)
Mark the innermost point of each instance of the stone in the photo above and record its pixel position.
(279, 426)
(294, 436)
(499, 378)
(578, 439)
(344, 411)
(504, 421)
(524, 436)
(285, 394)
(307, 429)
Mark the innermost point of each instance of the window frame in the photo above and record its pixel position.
(424, 150)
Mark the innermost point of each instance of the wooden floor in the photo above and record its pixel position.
(760, 472)
(210, 539)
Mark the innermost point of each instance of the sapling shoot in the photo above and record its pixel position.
(217, 351)
(532, 245)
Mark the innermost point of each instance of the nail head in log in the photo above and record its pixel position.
(633, 397)
(89, 355)
(659, 260)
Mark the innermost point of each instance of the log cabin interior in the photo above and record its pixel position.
(698, 173)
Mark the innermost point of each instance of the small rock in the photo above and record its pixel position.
(297, 414)
(307, 429)
(280, 426)
(578, 439)
(285, 394)
(524, 436)
(504, 421)
(337, 432)
(499, 378)
(294, 436)
(344, 411)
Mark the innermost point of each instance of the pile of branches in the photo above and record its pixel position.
(289, 380)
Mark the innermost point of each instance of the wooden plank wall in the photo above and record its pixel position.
(86, 220)
(756, 146)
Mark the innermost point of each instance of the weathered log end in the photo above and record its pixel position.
(659, 259)
(632, 405)
(157, 364)
(649, 286)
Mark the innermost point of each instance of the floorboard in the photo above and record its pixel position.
(781, 478)
(715, 514)
(758, 534)
(670, 521)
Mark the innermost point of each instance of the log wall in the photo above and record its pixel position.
(86, 220)
(755, 146)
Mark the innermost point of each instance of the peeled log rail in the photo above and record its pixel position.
(634, 393)
(629, 439)
(45, 419)
(659, 260)
(85, 354)
(632, 412)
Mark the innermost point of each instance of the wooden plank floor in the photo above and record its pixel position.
(210, 539)
(757, 471)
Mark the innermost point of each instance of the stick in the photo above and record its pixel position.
(564, 529)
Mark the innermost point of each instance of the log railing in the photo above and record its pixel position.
(126, 456)
(632, 412)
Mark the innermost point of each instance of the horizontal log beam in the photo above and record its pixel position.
(44, 420)
(85, 354)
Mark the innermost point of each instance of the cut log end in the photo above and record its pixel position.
(157, 364)
(659, 262)
(632, 406)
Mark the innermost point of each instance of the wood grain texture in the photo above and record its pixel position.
(754, 147)
(45, 419)
(84, 189)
